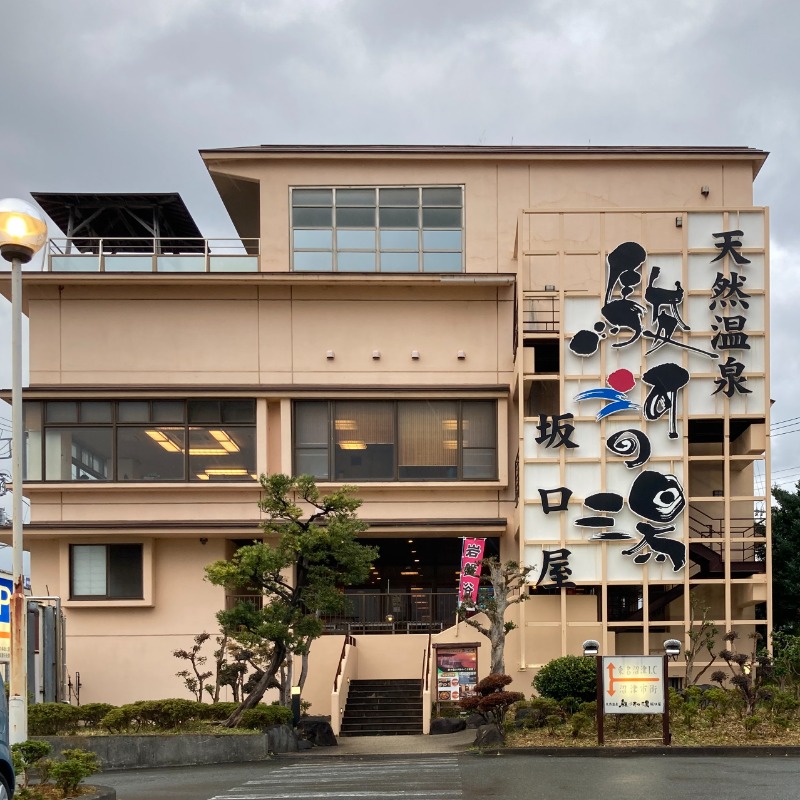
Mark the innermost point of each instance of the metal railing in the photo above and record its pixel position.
(366, 612)
(397, 612)
(158, 254)
(540, 314)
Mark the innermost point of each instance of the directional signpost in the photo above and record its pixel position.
(632, 685)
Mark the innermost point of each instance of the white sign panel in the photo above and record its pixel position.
(633, 684)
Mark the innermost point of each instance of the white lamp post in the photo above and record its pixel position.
(22, 233)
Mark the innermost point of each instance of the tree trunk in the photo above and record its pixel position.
(267, 682)
(498, 640)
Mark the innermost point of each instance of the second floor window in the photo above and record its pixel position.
(387, 229)
(140, 440)
(404, 440)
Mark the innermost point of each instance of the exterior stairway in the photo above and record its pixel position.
(383, 708)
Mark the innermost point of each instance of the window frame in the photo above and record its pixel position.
(186, 424)
(420, 229)
(108, 573)
(331, 442)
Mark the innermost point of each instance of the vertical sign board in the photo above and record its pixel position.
(6, 590)
(633, 685)
(456, 671)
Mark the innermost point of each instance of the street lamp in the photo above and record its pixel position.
(22, 233)
(591, 647)
(672, 648)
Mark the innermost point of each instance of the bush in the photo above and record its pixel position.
(118, 719)
(26, 756)
(92, 713)
(579, 721)
(52, 719)
(77, 765)
(263, 716)
(568, 676)
(219, 712)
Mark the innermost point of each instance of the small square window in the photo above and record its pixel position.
(106, 572)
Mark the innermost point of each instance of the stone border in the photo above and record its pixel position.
(180, 750)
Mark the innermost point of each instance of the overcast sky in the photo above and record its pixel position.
(110, 96)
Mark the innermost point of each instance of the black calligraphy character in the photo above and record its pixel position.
(468, 593)
(630, 443)
(472, 551)
(669, 299)
(728, 291)
(732, 335)
(731, 379)
(728, 246)
(557, 561)
(624, 267)
(562, 493)
(470, 568)
(667, 380)
(554, 431)
(663, 335)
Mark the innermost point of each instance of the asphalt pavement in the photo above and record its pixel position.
(469, 776)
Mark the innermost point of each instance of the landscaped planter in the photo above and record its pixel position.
(177, 750)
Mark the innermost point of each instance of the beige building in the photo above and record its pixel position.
(418, 321)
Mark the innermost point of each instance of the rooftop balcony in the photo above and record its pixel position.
(163, 254)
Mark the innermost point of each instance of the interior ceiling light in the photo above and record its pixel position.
(353, 444)
(450, 424)
(226, 471)
(226, 441)
(410, 572)
(208, 451)
(164, 441)
(449, 444)
(345, 424)
(202, 476)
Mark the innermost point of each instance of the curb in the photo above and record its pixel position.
(764, 751)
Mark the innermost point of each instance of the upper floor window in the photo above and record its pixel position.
(404, 440)
(105, 572)
(140, 440)
(386, 229)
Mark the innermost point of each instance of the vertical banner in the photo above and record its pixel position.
(471, 557)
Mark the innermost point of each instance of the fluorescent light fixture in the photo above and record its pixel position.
(164, 441)
(410, 572)
(353, 444)
(345, 424)
(225, 441)
(450, 424)
(449, 444)
(207, 451)
(202, 476)
(226, 472)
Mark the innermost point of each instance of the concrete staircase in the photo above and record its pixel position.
(383, 708)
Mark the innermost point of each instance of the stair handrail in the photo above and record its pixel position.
(426, 666)
(351, 640)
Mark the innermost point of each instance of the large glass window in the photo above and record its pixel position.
(406, 440)
(387, 229)
(106, 572)
(141, 440)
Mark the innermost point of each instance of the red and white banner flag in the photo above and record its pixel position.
(471, 556)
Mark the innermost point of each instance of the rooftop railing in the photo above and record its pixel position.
(162, 254)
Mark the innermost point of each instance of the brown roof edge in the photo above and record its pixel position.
(478, 151)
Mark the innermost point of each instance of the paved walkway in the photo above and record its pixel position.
(397, 745)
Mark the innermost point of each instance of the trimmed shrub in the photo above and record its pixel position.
(52, 719)
(118, 719)
(262, 716)
(92, 713)
(219, 712)
(77, 765)
(568, 676)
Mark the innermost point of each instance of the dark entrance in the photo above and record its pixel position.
(413, 587)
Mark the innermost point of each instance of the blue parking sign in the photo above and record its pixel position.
(6, 590)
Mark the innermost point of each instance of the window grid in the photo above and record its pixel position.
(179, 427)
(384, 229)
(321, 456)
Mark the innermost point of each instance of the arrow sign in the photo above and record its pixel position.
(633, 684)
(612, 680)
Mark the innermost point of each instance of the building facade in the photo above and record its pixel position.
(561, 350)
